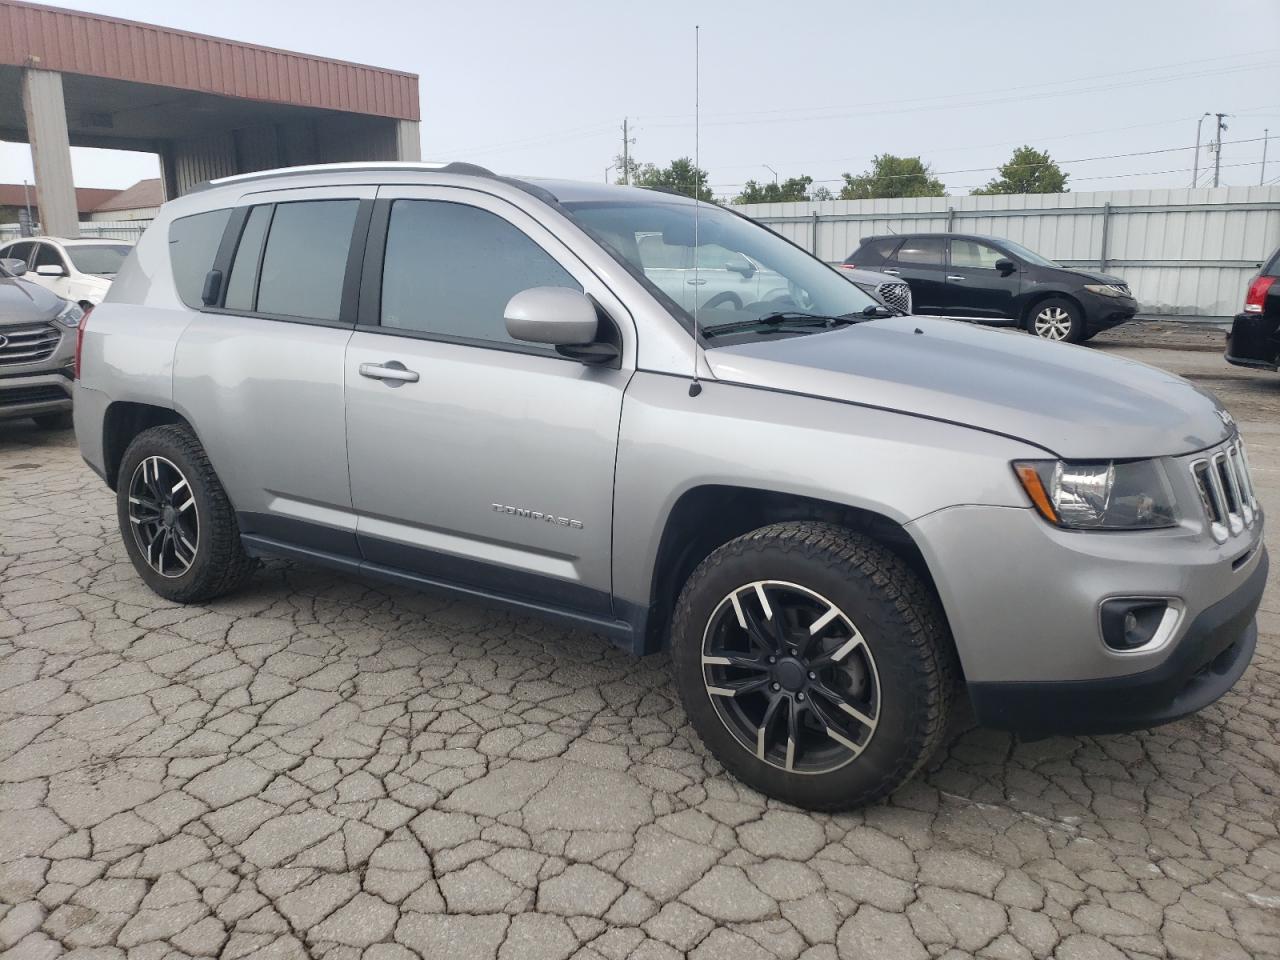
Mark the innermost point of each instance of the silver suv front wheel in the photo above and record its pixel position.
(813, 663)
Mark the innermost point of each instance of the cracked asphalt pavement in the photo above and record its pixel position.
(327, 767)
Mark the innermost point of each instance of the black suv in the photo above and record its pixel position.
(996, 281)
(1254, 340)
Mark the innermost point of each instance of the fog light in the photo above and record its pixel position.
(1130, 624)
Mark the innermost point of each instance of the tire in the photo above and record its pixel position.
(1056, 319)
(901, 677)
(54, 421)
(203, 535)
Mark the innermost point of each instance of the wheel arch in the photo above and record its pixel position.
(123, 421)
(709, 516)
(1040, 296)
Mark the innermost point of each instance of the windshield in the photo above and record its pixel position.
(104, 259)
(1028, 255)
(744, 272)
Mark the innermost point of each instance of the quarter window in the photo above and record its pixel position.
(305, 262)
(450, 269)
(926, 251)
(193, 244)
(973, 255)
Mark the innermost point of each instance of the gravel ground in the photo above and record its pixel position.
(327, 767)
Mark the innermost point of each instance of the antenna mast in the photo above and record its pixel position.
(695, 387)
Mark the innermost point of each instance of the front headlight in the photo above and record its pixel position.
(1099, 495)
(1106, 290)
(70, 316)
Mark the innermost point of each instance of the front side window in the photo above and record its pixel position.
(100, 259)
(47, 256)
(748, 272)
(450, 269)
(970, 255)
(193, 245)
(923, 251)
(305, 261)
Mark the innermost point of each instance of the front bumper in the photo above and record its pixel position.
(1254, 341)
(34, 395)
(1103, 313)
(1210, 657)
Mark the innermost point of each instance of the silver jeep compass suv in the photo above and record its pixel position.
(831, 516)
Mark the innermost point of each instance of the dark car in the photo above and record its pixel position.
(996, 281)
(37, 349)
(1254, 340)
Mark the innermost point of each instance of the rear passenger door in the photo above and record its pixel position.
(922, 262)
(486, 462)
(259, 371)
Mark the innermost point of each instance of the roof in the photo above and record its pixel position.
(87, 198)
(84, 241)
(141, 196)
(73, 42)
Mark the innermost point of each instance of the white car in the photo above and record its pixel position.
(76, 270)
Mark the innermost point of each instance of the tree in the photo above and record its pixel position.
(892, 176)
(793, 188)
(1028, 171)
(681, 176)
(632, 165)
(821, 193)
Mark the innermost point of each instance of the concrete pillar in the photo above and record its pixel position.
(408, 140)
(50, 152)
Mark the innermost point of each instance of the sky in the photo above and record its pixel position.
(811, 89)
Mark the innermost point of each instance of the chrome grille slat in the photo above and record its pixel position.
(28, 344)
(1226, 490)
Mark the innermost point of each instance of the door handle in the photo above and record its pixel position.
(393, 370)
(696, 283)
(949, 277)
(892, 273)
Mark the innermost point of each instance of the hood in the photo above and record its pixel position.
(1091, 275)
(24, 302)
(1072, 401)
(858, 275)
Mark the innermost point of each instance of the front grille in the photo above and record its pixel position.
(1226, 491)
(896, 294)
(29, 344)
(21, 395)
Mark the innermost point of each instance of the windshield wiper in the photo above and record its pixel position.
(783, 321)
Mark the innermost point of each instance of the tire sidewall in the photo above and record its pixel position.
(1076, 333)
(160, 442)
(899, 730)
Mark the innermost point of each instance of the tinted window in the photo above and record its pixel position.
(450, 269)
(923, 250)
(102, 259)
(193, 243)
(243, 283)
(18, 251)
(971, 254)
(1272, 269)
(874, 251)
(306, 259)
(47, 255)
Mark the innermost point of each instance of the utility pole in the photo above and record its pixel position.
(626, 153)
(1195, 161)
(773, 171)
(1217, 148)
(1262, 177)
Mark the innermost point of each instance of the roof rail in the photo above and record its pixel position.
(469, 169)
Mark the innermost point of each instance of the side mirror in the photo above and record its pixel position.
(50, 270)
(13, 266)
(744, 267)
(555, 315)
(1005, 266)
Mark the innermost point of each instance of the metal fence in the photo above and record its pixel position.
(1183, 252)
(129, 230)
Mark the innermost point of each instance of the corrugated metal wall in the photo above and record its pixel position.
(1182, 251)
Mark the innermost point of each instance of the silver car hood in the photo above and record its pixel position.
(1075, 402)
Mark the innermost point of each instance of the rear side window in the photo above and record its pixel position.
(874, 252)
(1272, 269)
(450, 269)
(305, 261)
(242, 287)
(926, 251)
(193, 244)
(19, 251)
